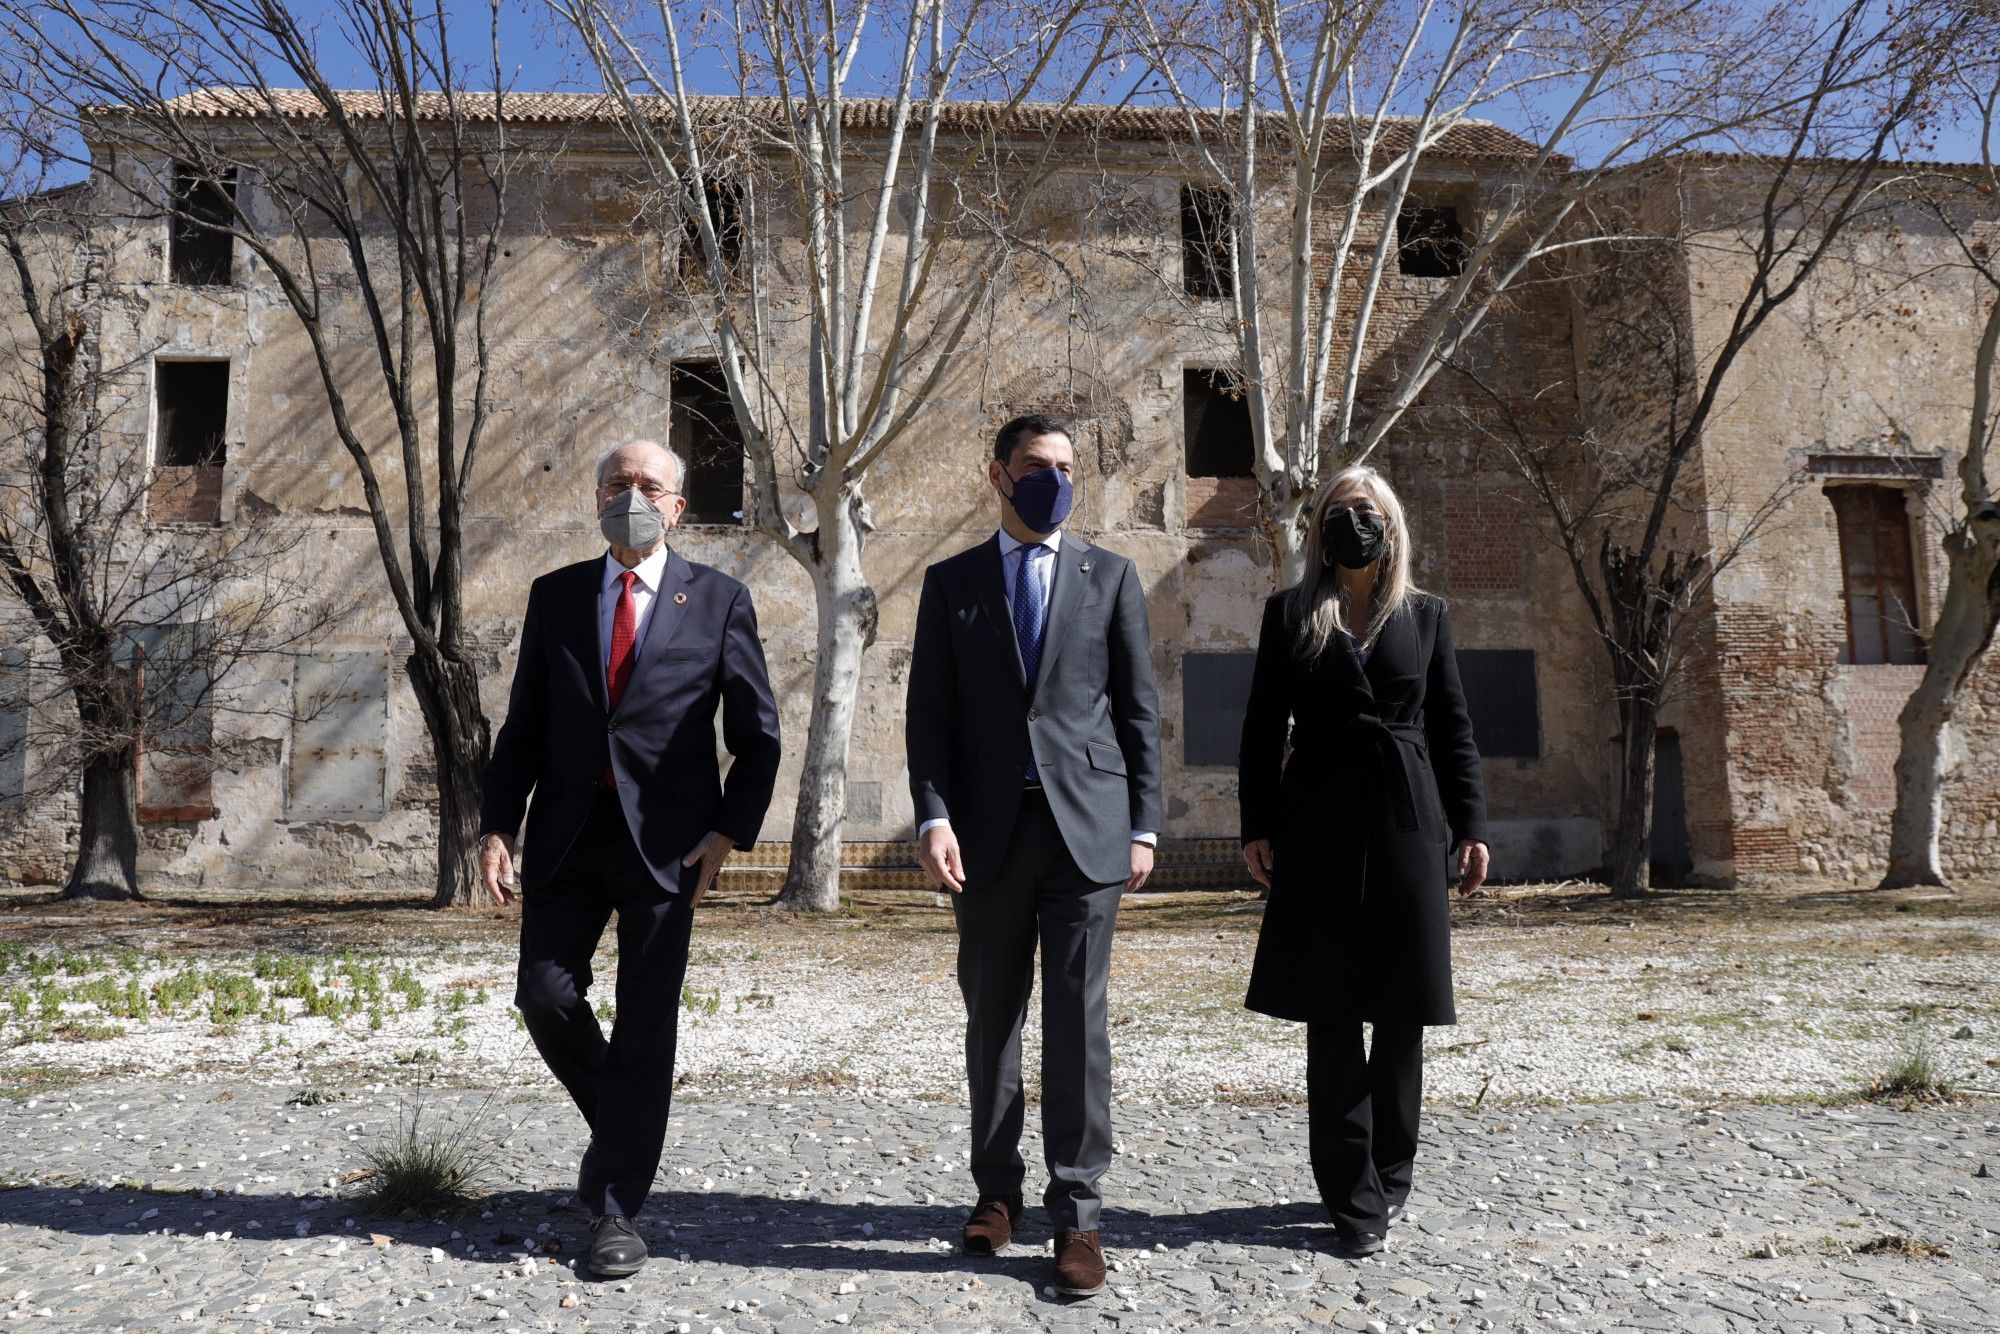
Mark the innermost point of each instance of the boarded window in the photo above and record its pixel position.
(340, 736)
(1214, 689)
(1878, 574)
(13, 725)
(1208, 240)
(192, 412)
(1221, 493)
(1500, 696)
(725, 214)
(703, 431)
(197, 253)
(177, 741)
(1430, 241)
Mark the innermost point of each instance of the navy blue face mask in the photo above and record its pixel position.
(1043, 499)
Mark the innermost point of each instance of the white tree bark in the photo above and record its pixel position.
(1967, 615)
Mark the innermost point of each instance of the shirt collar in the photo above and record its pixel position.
(649, 570)
(1009, 544)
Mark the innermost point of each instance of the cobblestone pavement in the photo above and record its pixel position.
(150, 1204)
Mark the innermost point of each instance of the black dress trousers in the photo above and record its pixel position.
(623, 1085)
(1364, 1106)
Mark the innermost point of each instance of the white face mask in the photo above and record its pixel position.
(631, 521)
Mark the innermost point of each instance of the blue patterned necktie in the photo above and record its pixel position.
(1030, 620)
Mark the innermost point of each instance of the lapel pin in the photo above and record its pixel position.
(1083, 568)
(680, 599)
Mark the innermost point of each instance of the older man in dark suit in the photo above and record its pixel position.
(625, 660)
(1034, 753)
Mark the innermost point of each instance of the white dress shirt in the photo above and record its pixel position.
(647, 587)
(1010, 570)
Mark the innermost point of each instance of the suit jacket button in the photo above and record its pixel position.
(1033, 714)
(611, 726)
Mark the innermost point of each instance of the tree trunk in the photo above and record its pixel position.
(1963, 632)
(107, 855)
(447, 690)
(1632, 853)
(1284, 536)
(847, 621)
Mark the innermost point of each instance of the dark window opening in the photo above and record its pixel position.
(1217, 418)
(725, 214)
(1208, 243)
(1500, 695)
(1877, 574)
(1430, 242)
(1215, 687)
(703, 431)
(197, 254)
(192, 407)
(176, 745)
(1220, 448)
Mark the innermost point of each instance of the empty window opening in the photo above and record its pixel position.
(1878, 574)
(1208, 242)
(1220, 451)
(197, 254)
(1430, 241)
(191, 401)
(703, 431)
(725, 214)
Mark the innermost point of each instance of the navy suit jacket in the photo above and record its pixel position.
(700, 652)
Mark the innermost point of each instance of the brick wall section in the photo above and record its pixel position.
(1482, 532)
(1875, 695)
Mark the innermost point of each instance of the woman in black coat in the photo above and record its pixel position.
(1356, 836)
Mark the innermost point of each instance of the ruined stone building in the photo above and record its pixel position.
(1777, 755)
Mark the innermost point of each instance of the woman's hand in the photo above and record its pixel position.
(1257, 856)
(1469, 864)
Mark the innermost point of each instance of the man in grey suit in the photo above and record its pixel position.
(1034, 749)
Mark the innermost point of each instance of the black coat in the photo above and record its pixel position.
(1382, 782)
(1091, 717)
(700, 655)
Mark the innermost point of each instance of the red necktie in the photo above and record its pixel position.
(618, 672)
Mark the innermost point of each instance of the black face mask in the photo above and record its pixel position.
(1352, 538)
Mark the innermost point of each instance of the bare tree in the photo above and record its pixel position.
(837, 251)
(1632, 510)
(1970, 609)
(136, 624)
(1336, 125)
(389, 199)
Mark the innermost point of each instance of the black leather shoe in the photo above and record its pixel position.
(1395, 1212)
(615, 1248)
(1355, 1245)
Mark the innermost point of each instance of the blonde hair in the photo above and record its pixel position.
(1315, 602)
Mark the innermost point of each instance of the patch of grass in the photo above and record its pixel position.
(696, 1004)
(1909, 1248)
(314, 1095)
(82, 1030)
(1914, 1076)
(427, 1164)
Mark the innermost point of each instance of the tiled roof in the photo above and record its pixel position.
(1472, 139)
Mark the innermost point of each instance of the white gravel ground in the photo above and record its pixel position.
(1561, 1013)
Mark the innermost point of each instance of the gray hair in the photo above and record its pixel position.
(680, 464)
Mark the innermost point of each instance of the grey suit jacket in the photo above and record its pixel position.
(1091, 717)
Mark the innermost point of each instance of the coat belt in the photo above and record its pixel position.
(1386, 738)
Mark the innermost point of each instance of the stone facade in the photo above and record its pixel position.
(1784, 749)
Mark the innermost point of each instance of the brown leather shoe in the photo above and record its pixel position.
(992, 1224)
(1079, 1264)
